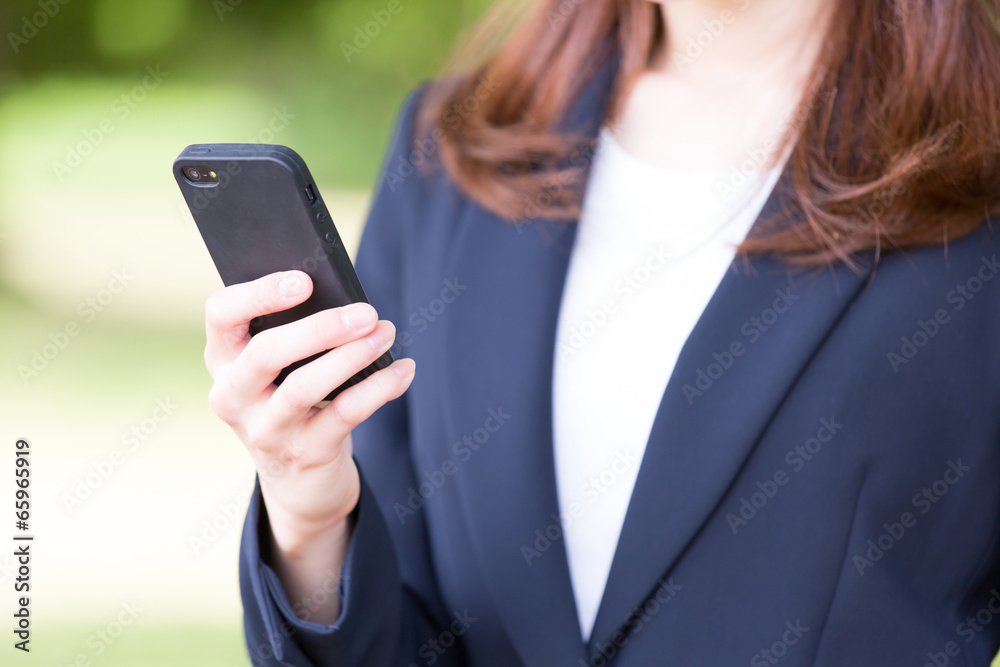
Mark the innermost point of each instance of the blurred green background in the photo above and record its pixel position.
(138, 491)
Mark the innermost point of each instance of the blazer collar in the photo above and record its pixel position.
(501, 359)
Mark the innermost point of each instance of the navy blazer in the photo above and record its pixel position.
(821, 484)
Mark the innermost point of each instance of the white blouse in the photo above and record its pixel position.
(651, 248)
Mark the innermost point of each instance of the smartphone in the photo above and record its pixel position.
(259, 211)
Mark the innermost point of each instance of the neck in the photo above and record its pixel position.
(733, 39)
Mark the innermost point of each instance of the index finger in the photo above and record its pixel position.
(228, 311)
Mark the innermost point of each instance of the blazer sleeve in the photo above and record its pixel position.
(390, 610)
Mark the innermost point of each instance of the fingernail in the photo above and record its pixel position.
(357, 316)
(291, 285)
(405, 368)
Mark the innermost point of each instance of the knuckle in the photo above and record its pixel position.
(289, 452)
(384, 386)
(268, 295)
(262, 446)
(219, 403)
(348, 408)
(324, 326)
(258, 355)
(294, 395)
(210, 358)
(364, 310)
(259, 436)
(215, 307)
(272, 467)
(360, 354)
(390, 329)
(381, 388)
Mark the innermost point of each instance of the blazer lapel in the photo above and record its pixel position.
(699, 441)
(508, 485)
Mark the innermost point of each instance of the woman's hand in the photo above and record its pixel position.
(303, 454)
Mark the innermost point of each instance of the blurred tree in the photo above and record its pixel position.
(342, 65)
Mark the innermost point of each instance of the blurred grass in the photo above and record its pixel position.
(142, 646)
(136, 356)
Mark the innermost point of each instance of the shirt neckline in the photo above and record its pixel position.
(608, 138)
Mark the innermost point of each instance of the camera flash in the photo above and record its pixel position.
(211, 174)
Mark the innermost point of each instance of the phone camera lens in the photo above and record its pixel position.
(193, 173)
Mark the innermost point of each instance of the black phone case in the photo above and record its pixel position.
(264, 215)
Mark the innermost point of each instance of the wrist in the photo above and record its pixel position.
(309, 565)
(297, 538)
(298, 527)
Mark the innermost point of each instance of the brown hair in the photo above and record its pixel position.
(895, 144)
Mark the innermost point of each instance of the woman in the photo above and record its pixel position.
(624, 447)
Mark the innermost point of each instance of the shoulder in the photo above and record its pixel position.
(412, 185)
(967, 264)
(414, 149)
(936, 308)
(416, 206)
